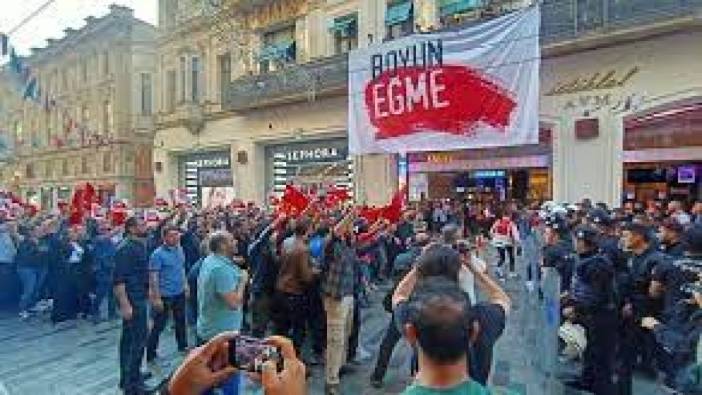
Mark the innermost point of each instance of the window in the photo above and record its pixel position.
(170, 90)
(345, 31)
(107, 162)
(84, 165)
(84, 71)
(105, 63)
(64, 167)
(278, 48)
(19, 132)
(399, 19)
(107, 118)
(29, 170)
(146, 94)
(183, 78)
(195, 80)
(224, 63)
(453, 12)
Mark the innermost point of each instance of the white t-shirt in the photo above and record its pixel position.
(76, 253)
(466, 279)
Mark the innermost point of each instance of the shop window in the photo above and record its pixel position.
(278, 49)
(399, 19)
(345, 32)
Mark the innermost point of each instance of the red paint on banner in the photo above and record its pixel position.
(449, 98)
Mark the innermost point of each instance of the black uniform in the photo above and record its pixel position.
(131, 269)
(637, 343)
(561, 257)
(592, 295)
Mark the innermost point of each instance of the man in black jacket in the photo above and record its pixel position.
(131, 285)
(403, 264)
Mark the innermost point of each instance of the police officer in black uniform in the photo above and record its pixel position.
(670, 233)
(608, 242)
(558, 249)
(637, 345)
(592, 304)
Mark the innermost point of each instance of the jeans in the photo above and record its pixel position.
(176, 305)
(506, 250)
(316, 320)
(131, 347)
(339, 324)
(32, 279)
(103, 290)
(392, 336)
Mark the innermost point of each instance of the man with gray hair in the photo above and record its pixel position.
(220, 289)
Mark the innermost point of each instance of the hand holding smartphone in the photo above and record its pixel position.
(249, 354)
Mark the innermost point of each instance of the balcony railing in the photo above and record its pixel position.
(570, 19)
(292, 83)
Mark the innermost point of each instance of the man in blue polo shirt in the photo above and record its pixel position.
(168, 289)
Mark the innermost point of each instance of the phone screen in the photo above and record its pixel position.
(249, 354)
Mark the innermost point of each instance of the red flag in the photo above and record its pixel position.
(371, 214)
(293, 201)
(393, 211)
(118, 213)
(77, 208)
(336, 196)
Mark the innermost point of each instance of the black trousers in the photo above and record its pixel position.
(598, 358)
(289, 320)
(506, 250)
(387, 345)
(131, 348)
(637, 349)
(171, 304)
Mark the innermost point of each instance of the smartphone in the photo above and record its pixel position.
(250, 353)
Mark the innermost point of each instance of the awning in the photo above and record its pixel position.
(452, 7)
(284, 50)
(398, 13)
(346, 26)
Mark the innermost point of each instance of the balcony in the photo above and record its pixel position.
(602, 22)
(293, 83)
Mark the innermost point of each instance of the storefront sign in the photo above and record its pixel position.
(489, 174)
(315, 154)
(532, 161)
(599, 80)
(439, 91)
(595, 103)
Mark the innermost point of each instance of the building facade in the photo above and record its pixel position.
(253, 95)
(90, 118)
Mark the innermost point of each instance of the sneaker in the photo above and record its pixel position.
(24, 315)
(347, 369)
(512, 275)
(499, 272)
(314, 360)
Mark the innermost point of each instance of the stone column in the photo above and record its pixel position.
(250, 178)
(590, 168)
(375, 178)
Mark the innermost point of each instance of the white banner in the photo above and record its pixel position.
(472, 88)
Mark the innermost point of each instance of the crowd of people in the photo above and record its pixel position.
(630, 282)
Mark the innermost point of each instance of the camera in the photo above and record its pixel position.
(249, 354)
